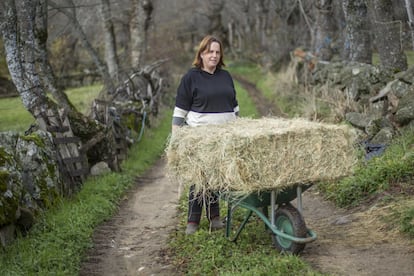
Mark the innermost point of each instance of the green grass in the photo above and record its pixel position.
(56, 244)
(393, 168)
(210, 253)
(59, 240)
(248, 70)
(83, 96)
(247, 108)
(274, 87)
(406, 221)
(206, 253)
(15, 117)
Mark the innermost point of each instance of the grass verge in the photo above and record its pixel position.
(392, 169)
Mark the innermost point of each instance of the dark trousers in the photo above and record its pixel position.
(195, 206)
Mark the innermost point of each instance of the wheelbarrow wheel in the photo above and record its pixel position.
(288, 220)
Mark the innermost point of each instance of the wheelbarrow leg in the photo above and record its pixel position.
(228, 220)
(265, 211)
(228, 224)
(272, 207)
(299, 198)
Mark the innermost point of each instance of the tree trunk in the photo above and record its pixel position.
(45, 68)
(324, 28)
(357, 37)
(247, 30)
(388, 34)
(17, 31)
(213, 13)
(109, 40)
(262, 11)
(410, 15)
(141, 16)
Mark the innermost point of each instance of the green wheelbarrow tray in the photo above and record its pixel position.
(288, 228)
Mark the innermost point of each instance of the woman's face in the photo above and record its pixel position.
(211, 57)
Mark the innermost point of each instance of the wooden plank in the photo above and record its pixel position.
(73, 150)
(79, 172)
(57, 129)
(66, 140)
(69, 160)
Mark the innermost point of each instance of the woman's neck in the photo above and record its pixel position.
(209, 70)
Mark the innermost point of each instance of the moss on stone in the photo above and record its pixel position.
(5, 158)
(35, 138)
(8, 205)
(4, 177)
(48, 195)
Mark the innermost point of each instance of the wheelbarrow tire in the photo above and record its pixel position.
(290, 221)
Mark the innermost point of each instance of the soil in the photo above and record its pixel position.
(350, 242)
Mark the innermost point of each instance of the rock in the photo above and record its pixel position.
(100, 168)
(358, 120)
(375, 126)
(384, 136)
(373, 94)
(26, 219)
(40, 170)
(405, 109)
(11, 182)
(7, 234)
(29, 176)
(342, 220)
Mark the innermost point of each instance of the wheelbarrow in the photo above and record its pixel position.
(286, 224)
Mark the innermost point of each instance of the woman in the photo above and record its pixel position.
(206, 95)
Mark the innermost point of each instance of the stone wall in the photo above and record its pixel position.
(382, 102)
(29, 180)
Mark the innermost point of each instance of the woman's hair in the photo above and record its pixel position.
(205, 44)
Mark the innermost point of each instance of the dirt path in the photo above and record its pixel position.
(349, 243)
(132, 242)
(353, 243)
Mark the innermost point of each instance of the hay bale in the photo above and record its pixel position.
(249, 155)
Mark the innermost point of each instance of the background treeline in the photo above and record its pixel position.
(264, 31)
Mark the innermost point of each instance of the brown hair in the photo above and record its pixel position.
(205, 44)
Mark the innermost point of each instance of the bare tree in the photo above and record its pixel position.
(357, 37)
(140, 19)
(212, 10)
(262, 10)
(103, 70)
(109, 40)
(324, 28)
